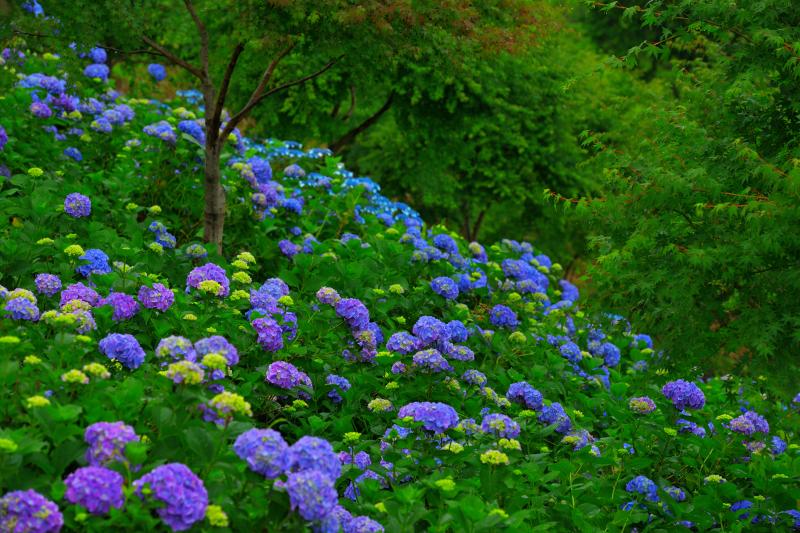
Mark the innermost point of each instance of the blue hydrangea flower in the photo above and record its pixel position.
(571, 352)
(123, 348)
(457, 331)
(21, 309)
(96, 263)
(554, 414)
(748, 423)
(610, 353)
(432, 360)
(73, 153)
(157, 71)
(176, 348)
(445, 287)
(96, 70)
(644, 486)
(684, 394)
(429, 330)
(524, 394)
(311, 493)
(40, 110)
(313, 453)
(354, 312)
(217, 344)
(503, 316)
(265, 452)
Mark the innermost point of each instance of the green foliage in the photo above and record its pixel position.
(696, 228)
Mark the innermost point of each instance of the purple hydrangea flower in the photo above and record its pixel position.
(555, 414)
(107, 442)
(642, 405)
(79, 291)
(445, 287)
(157, 71)
(29, 511)
(403, 342)
(270, 334)
(328, 296)
(3, 138)
(182, 494)
(436, 417)
(21, 309)
(362, 524)
(286, 375)
(311, 493)
(209, 271)
(684, 394)
(313, 453)
(524, 394)
(432, 360)
(123, 348)
(156, 297)
(503, 316)
(96, 488)
(48, 284)
(748, 423)
(77, 205)
(41, 110)
(354, 312)
(288, 248)
(457, 352)
(500, 425)
(125, 307)
(475, 377)
(265, 452)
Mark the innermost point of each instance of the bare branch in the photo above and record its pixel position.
(201, 29)
(172, 57)
(223, 89)
(349, 113)
(101, 45)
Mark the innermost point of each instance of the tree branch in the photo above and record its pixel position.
(349, 113)
(201, 29)
(255, 99)
(172, 57)
(223, 89)
(350, 136)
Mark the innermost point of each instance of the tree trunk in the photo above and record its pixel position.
(214, 215)
(477, 227)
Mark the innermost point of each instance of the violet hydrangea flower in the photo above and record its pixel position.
(77, 205)
(48, 284)
(29, 511)
(217, 344)
(181, 493)
(435, 416)
(156, 297)
(445, 287)
(354, 312)
(125, 307)
(684, 394)
(314, 453)
(21, 309)
(286, 375)
(96, 488)
(523, 393)
(176, 348)
(208, 272)
(107, 442)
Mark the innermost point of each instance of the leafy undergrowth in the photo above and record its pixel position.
(342, 367)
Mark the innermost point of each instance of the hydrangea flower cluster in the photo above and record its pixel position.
(157, 297)
(107, 441)
(77, 205)
(209, 272)
(124, 348)
(264, 450)
(286, 376)
(96, 488)
(684, 394)
(435, 416)
(182, 496)
(27, 510)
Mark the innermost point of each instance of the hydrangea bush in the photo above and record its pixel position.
(342, 367)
